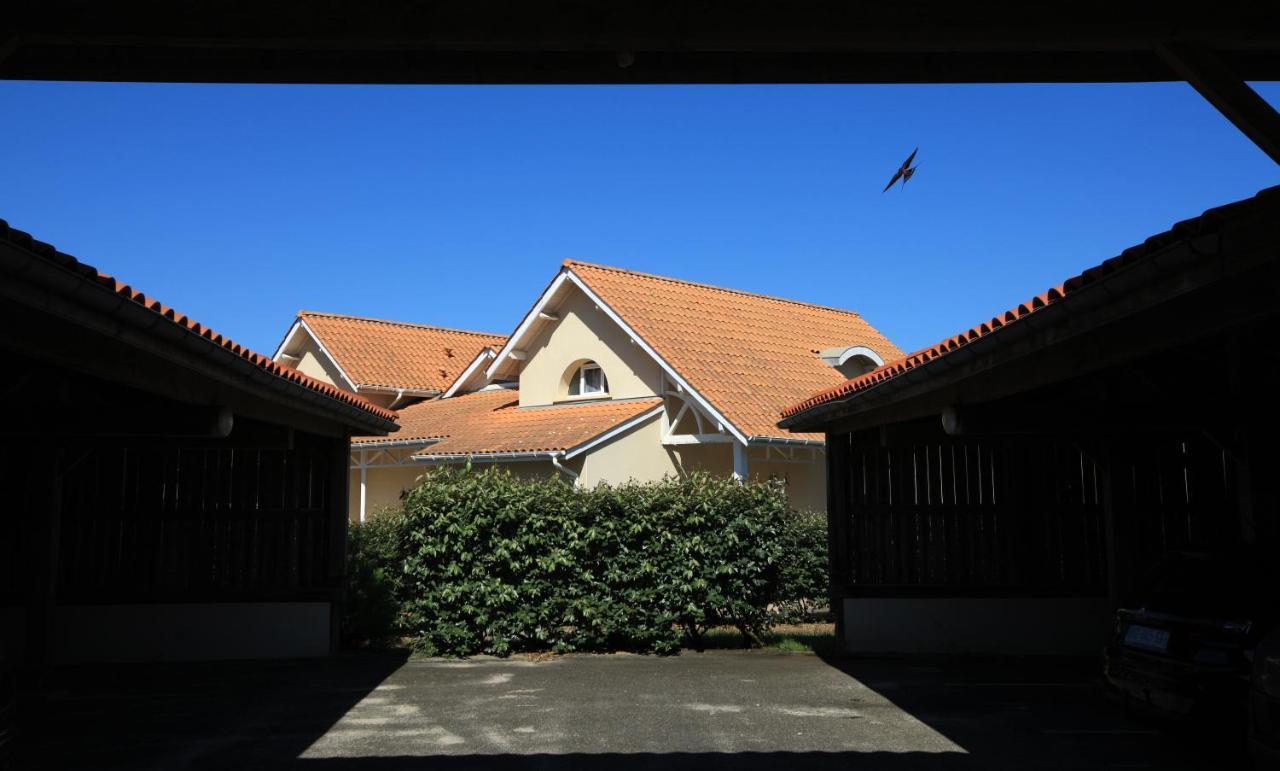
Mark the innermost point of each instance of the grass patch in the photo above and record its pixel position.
(787, 638)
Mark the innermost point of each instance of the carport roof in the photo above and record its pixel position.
(86, 278)
(808, 414)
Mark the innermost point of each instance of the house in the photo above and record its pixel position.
(614, 375)
(1006, 489)
(390, 363)
(173, 495)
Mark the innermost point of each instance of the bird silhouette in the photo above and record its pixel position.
(904, 172)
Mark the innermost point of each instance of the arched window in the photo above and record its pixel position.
(588, 379)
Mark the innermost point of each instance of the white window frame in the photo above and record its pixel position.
(581, 377)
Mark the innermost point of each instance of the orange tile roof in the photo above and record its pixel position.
(395, 354)
(106, 283)
(1205, 223)
(487, 422)
(749, 355)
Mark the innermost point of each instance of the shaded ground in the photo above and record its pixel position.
(782, 638)
(739, 710)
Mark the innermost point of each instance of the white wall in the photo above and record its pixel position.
(190, 631)
(1018, 625)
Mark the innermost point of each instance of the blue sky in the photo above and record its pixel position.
(455, 205)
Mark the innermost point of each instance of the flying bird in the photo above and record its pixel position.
(904, 173)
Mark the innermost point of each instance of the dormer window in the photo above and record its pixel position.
(588, 380)
(851, 360)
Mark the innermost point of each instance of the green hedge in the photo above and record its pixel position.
(483, 562)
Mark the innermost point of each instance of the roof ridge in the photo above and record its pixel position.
(392, 322)
(109, 283)
(1183, 230)
(568, 263)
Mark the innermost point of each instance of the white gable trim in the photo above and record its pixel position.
(568, 275)
(666, 367)
(485, 355)
(302, 324)
(526, 323)
(621, 428)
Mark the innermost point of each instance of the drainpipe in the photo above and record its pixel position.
(364, 484)
(555, 461)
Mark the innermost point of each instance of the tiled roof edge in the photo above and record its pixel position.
(1208, 221)
(390, 322)
(108, 283)
(571, 263)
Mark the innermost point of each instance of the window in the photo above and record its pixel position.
(589, 379)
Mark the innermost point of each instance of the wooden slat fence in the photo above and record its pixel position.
(1003, 516)
(200, 524)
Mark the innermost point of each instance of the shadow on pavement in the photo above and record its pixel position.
(1039, 711)
(674, 761)
(166, 716)
(1034, 713)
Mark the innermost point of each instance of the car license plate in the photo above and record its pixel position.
(1137, 636)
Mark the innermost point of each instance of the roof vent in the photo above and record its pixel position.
(851, 360)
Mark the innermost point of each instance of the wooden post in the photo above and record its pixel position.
(837, 528)
(1111, 534)
(42, 599)
(339, 476)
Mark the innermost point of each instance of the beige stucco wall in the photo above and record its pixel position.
(314, 363)
(636, 455)
(385, 485)
(806, 483)
(584, 333)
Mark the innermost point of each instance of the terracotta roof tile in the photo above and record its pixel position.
(1196, 226)
(493, 422)
(749, 355)
(394, 354)
(109, 284)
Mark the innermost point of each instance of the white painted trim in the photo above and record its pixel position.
(527, 322)
(762, 441)
(573, 475)
(364, 490)
(385, 444)
(740, 467)
(568, 275)
(674, 439)
(615, 431)
(830, 356)
(302, 323)
(288, 336)
(427, 392)
(671, 372)
(859, 350)
(485, 354)
(488, 457)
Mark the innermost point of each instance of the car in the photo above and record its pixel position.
(1264, 703)
(1188, 645)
